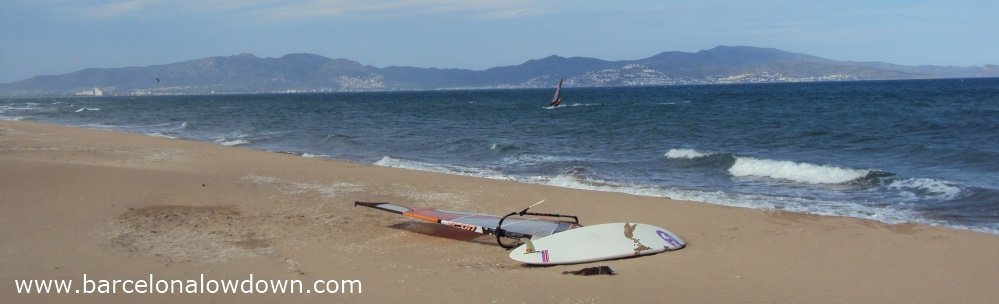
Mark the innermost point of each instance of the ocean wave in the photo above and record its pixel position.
(583, 178)
(801, 172)
(921, 188)
(98, 126)
(794, 171)
(685, 154)
(234, 139)
(334, 138)
(577, 178)
(310, 155)
(387, 161)
(333, 141)
(161, 135)
(503, 147)
(503, 151)
(16, 108)
(669, 103)
(526, 159)
(909, 189)
(235, 142)
(576, 182)
(87, 109)
(170, 128)
(12, 118)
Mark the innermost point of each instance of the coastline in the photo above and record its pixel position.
(120, 205)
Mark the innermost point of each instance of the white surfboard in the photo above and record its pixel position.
(596, 243)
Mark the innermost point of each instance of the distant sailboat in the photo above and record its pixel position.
(558, 95)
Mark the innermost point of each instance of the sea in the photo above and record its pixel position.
(922, 151)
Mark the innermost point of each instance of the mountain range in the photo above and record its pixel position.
(246, 73)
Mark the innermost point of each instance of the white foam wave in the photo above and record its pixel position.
(98, 126)
(161, 135)
(233, 139)
(310, 155)
(536, 159)
(754, 201)
(87, 109)
(918, 188)
(793, 171)
(387, 161)
(13, 118)
(576, 182)
(234, 142)
(13, 108)
(16, 108)
(685, 153)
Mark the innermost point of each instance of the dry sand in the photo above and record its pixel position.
(123, 206)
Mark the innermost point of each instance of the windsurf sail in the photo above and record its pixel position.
(515, 227)
(558, 95)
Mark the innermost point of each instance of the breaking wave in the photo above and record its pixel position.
(234, 139)
(685, 154)
(387, 161)
(919, 188)
(579, 177)
(794, 171)
(786, 170)
(310, 155)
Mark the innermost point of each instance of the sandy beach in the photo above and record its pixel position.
(123, 206)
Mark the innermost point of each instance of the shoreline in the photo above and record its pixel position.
(856, 211)
(111, 204)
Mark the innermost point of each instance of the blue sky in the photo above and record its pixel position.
(41, 37)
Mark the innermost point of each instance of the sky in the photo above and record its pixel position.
(48, 37)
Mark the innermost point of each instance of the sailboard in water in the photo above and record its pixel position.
(501, 226)
(557, 100)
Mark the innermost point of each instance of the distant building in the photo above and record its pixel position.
(96, 91)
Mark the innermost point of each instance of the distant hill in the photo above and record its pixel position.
(246, 73)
